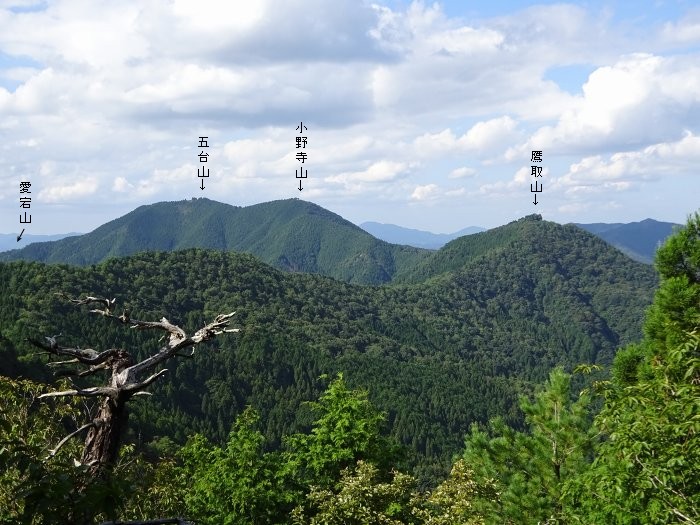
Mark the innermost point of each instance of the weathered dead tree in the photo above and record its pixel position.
(126, 378)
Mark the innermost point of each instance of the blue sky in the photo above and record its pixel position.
(420, 114)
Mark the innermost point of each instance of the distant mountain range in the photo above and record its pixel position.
(300, 236)
(418, 238)
(638, 240)
(464, 332)
(292, 235)
(8, 241)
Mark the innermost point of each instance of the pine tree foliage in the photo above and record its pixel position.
(530, 468)
(646, 468)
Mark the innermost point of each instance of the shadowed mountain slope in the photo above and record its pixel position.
(638, 240)
(436, 355)
(291, 234)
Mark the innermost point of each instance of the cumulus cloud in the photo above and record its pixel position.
(483, 138)
(397, 99)
(622, 171)
(639, 100)
(459, 173)
(381, 171)
(68, 192)
(425, 192)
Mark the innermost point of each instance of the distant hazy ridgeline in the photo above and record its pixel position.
(472, 326)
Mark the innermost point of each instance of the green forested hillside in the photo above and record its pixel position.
(291, 234)
(638, 240)
(435, 356)
(455, 254)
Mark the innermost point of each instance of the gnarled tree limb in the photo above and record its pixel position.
(53, 451)
(135, 387)
(102, 442)
(85, 392)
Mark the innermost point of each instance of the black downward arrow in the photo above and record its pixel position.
(202, 186)
(20, 235)
(535, 201)
(300, 188)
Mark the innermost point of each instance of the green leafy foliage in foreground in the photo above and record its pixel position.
(338, 472)
(638, 461)
(39, 485)
(531, 468)
(435, 356)
(646, 468)
(634, 462)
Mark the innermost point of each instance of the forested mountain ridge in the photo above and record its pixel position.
(638, 240)
(411, 237)
(436, 356)
(457, 253)
(290, 234)
(8, 241)
(623, 450)
(299, 236)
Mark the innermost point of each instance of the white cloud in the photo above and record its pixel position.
(465, 40)
(381, 171)
(490, 134)
(426, 192)
(462, 172)
(121, 185)
(639, 100)
(258, 150)
(395, 99)
(68, 192)
(522, 181)
(91, 33)
(624, 170)
(483, 138)
(238, 16)
(686, 30)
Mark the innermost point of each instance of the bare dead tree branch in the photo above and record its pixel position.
(53, 451)
(59, 363)
(178, 341)
(102, 441)
(135, 387)
(86, 356)
(85, 392)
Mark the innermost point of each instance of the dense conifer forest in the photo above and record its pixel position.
(480, 387)
(292, 235)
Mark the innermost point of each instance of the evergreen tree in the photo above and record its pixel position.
(529, 469)
(646, 468)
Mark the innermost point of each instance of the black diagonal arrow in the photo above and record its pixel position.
(19, 237)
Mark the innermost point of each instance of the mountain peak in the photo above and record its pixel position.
(290, 234)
